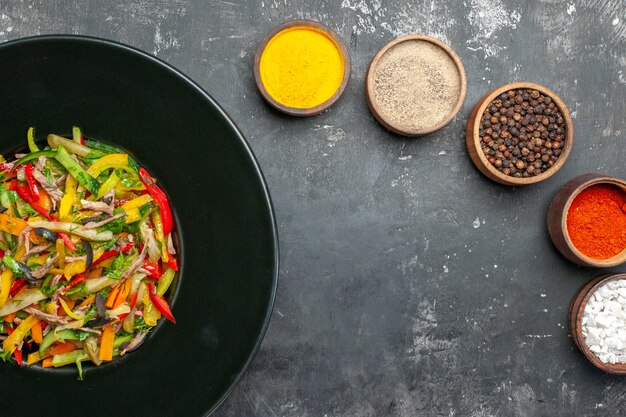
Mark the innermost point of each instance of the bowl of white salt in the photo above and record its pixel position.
(597, 322)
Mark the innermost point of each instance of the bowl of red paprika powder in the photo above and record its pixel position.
(587, 220)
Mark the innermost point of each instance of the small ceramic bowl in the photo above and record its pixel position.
(472, 137)
(318, 27)
(576, 309)
(557, 219)
(369, 86)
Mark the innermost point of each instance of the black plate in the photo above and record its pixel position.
(223, 213)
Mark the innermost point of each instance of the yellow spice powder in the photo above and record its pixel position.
(301, 67)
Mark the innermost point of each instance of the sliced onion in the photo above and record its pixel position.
(22, 300)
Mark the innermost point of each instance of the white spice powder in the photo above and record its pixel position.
(603, 323)
(416, 85)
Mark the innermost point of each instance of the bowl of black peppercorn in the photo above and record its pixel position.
(519, 134)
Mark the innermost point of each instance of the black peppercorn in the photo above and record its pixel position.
(522, 132)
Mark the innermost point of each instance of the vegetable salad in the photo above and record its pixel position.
(86, 253)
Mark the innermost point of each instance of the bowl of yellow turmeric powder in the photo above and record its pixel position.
(302, 67)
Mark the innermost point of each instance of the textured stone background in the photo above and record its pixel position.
(410, 285)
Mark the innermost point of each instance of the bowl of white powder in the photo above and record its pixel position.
(415, 85)
(597, 322)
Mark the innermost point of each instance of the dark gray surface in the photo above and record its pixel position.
(391, 302)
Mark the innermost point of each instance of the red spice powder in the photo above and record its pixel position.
(596, 221)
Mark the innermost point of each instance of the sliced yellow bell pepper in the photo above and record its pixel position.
(69, 198)
(132, 215)
(97, 253)
(158, 234)
(108, 184)
(68, 310)
(107, 263)
(20, 252)
(35, 357)
(11, 224)
(15, 338)
(150, 314)
(39, 260)
(51, 307)
(69, 304)
(137, 202)
(6, 280)
(111, 161)
(60, 246)
(74, 268)
(77, 216)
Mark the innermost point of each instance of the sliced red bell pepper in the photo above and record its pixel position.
(17, 353)
(172, 263)
(127, 247)
(161, 199)
(121, 317)
(30, 179)
(153, 269)
(104, 257)
(13, 185)
(68, 242)
(160, 303)
(133, 300)
(16, 287)
(74, 282)
(26, 195)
